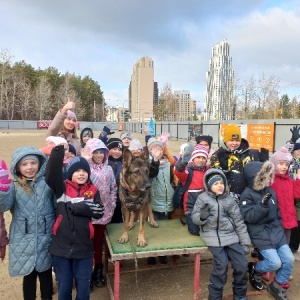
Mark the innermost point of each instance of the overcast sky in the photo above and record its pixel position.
(103, 39)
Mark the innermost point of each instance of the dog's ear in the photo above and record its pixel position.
(127, 158)
(145, 154)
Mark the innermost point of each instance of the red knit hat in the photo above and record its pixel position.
(199, 151)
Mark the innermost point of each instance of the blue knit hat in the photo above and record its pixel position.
(212, 179)
(296, 146)
(77, 163)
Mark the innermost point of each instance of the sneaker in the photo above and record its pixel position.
(255, 277)
(278, 290)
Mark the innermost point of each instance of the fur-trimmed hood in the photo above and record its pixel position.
(257, 174)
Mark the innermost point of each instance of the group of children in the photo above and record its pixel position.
(61, 200)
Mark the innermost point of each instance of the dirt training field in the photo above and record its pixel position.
(169, 283)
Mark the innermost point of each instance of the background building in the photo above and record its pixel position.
(141, 90)
(185, 107)
(219, 102)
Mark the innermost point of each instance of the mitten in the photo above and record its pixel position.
(97, 209)
(204, 212)
(180, 166)
(107, 130)
(103, 137)
(265, 199)
(246, 249)
(263, 155)
(164, 137)
(187, 152)
(295, 133)
(4, 180)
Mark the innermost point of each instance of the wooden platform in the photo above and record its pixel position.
(171, 238)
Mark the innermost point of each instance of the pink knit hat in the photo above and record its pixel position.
(282, 155)
(199, 151)
(71, 114)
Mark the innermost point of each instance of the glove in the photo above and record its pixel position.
(97, 209)
(246, 249)
(295, 133)
(103, 137)
(204, 212)
(164, 137)
(180, 166)
(187, 152)
(263, 155)
(4, 180)
(107, 130)
(265, 199)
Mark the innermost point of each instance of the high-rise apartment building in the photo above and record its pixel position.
(219, 101)
(184, 106)
(142, 90)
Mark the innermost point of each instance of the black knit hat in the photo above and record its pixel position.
(206, 138)
(77, 163)
(114, 143)
(72, 149)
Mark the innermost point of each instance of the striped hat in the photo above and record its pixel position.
(199, 151)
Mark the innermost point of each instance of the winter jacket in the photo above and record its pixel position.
(54, 130)
(195, 188)
(73, 232)
(32, 218)
(287, 190)
(103, 178)
(116, 165)
(232, 163)
(264, 222)
(219, 217)
(161, 190)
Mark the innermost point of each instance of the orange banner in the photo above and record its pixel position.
(261, 136)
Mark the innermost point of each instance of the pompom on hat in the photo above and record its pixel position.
(283, 155)
(199, 151)
(71, 115)
(57, 140)
(232, 132)
(76, 164)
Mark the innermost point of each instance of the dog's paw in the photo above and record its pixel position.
(154, 225)
(141, 243)
(131, 226)
(122, 240)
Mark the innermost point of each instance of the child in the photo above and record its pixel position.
(231, 158)
(125, 138)
(85, 135)
(32, 205)
(286, 190)
(103, 178)
(3, 233)
(206, 141)
(72, 234)
(259, 208)
(135, 147)
(224, 232)
(115, 158)
(197, 165)
(161, 192)
(293, 172)
(64, 125)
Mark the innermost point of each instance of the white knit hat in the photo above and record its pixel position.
(135, 144)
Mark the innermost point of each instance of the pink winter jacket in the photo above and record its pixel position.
(103, 178)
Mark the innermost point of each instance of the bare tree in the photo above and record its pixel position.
(43, 93)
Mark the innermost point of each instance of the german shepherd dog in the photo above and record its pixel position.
(134, 192)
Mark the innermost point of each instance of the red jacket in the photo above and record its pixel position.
(196, 185)
(287, 190)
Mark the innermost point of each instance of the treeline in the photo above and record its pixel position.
(27, 93)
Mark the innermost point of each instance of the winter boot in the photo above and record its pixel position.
(254, 277)
(92, 282)
(278, 290)
(98, 275)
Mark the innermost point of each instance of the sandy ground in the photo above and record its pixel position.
(167, 283)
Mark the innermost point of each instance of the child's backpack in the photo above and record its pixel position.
(179, 192)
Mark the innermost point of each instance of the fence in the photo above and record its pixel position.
(178, 130)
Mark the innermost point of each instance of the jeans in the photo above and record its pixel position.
(66, 269)
(46, 284)
(280, 260)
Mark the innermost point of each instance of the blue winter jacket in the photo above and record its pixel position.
(32, 219)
